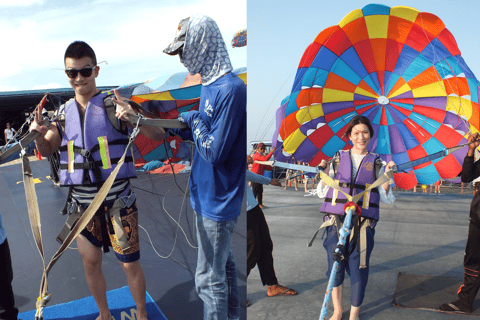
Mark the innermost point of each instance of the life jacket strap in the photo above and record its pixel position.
(86, 153)
(93, 164)
(356, 186)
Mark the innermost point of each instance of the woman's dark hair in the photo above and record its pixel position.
(78, 50)
(357, 120)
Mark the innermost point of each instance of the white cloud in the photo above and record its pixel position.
(47, 86)
(8, 88)
(131, 37)
(19, 3)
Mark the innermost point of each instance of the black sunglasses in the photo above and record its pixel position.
(85, 72)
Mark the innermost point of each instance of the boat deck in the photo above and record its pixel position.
(170, 281)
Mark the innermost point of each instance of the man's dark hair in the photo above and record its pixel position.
(78, 50)
(357, 120)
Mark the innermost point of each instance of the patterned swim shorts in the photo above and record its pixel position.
(129, 219)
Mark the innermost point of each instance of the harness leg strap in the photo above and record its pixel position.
(70, 223)
(326, 224)
(118, 227)
(362, 245)
(330, 222)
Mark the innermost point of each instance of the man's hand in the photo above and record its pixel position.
(187, 117)
(123, 108)
(472, 146)
(473, 138)
(38, 119)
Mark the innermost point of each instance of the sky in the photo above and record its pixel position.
(129, 35)
(279, 32)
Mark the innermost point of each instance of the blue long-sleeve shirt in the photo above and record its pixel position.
(3, 234)
(253, 177)
(217, 182)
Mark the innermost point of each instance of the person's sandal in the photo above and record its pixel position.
(248, 304)
(279, 290)
(451, 307)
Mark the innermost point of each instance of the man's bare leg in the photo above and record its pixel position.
(92, 263)
(136, 283)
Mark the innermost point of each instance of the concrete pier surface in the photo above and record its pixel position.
(421, 233)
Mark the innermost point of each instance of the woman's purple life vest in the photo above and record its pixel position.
(334, 201)
(95, 150)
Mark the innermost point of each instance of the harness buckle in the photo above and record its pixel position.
(127, 201)
(72, 207)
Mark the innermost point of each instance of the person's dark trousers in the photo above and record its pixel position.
(471, 263)
(54, 161)
(257, 189)
(7, 301)
(260, 247)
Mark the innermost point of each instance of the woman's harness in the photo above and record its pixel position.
(360, 223)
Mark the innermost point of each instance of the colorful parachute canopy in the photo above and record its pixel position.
(165, 98)
(397, 66)
(239, 39)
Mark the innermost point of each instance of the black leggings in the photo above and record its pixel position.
(471, 263)
(260, 247)
(7, 301)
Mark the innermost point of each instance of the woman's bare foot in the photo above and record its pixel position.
(337, 315)
(354, 313)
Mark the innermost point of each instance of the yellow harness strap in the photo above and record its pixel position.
(362, 243)
(366, 197)
(118, 227)
(330, 222)
(333, 184)
(335, 192)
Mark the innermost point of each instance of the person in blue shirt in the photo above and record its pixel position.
(7, 300)
(217, 181)
(259, 242)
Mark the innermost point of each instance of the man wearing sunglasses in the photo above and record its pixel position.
(90, 147)
(217, 182)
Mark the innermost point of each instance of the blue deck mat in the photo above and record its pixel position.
(120, 302)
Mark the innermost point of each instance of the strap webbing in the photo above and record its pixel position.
(93, 165)
(33, 211)
(330, 222)
(381, 180)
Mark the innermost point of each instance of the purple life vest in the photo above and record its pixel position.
(86, 146)
(365, 174)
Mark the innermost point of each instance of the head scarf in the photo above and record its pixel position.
(204, 51)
